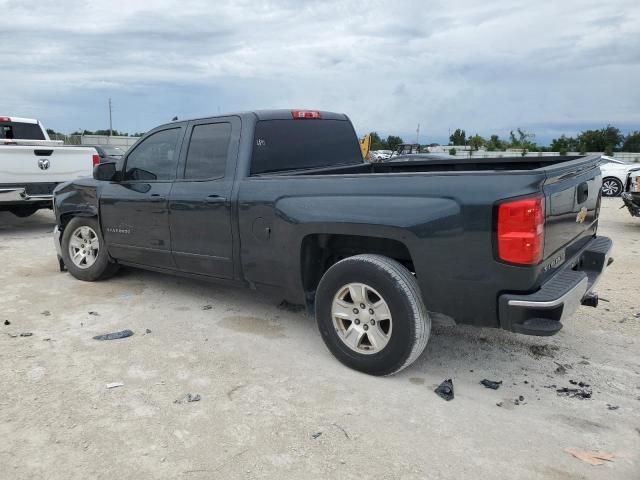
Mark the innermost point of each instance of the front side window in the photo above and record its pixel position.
(207, 154)
(155, 158)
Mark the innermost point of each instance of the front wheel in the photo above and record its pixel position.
(371, 315)
(611, 187)
(84, 252)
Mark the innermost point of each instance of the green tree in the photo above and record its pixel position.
(632, 142)
(476, 142)
(393, 142)
(601, 140)
(458, 137)
(564, 144)
(452, 151)
(521, 139)
(494, 143)
(378, 143)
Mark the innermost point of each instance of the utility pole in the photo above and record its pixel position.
(110, 122)
(418, 135)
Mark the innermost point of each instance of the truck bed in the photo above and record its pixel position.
(415, 164)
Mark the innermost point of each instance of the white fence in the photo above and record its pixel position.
(631, 157)
(117, 141)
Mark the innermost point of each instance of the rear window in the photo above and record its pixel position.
(21, 131)
(280, 145)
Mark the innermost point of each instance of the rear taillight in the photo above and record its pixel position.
(521, 231)
(305, 114)
(5, 119)
(96, 159)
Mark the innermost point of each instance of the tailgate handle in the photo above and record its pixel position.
(43, 153)
(583, 192)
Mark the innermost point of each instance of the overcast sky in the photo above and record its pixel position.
(550, 67)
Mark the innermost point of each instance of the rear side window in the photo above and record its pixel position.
(155, 158)
(207, 154)
(21, 131)
(280, 145)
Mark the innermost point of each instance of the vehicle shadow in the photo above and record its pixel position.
(40, 222)
(453, 350)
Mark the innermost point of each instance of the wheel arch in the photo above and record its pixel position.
(319, 251)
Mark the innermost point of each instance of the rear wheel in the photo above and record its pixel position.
(83, 250)
(611, 187)
(370, 314)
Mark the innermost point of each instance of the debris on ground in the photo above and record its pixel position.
(290, 307)
(519, 401)
(115, 385)
(147, 331)
(543, 350)
(316, 435)
(499, 404)
(592, 458)
(26, 334)
(583, 391)
(492, 384)
(207, 307)
(445, 390)
(46, 313)
(95, 314)
(562, 369)
(7, 322)
(612, 407)
(114, 335)
(188, 398)
(341, 429)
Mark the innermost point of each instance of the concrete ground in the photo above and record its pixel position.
(275, 404)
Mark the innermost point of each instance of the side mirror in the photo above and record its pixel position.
(105, 171)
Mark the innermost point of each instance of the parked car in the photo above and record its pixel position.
(631, 195)
(254, 200)
(31, 165)
(614, 174)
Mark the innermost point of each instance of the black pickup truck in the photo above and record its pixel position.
(282, 201)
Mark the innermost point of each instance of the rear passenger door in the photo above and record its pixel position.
(200, 201)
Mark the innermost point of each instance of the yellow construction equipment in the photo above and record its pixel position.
(365, 146)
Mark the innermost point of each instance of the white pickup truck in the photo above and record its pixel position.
(31, 165)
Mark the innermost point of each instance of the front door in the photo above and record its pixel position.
(135, 211)
(200, 201)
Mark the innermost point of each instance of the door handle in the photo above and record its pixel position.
(215, 199)
(157, 198)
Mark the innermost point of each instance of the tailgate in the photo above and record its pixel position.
(28, 164)
(572, 194)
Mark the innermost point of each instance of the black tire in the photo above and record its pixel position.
(102, 268)
(399, 289)
(611, 187)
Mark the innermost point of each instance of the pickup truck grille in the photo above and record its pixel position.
(45, 188)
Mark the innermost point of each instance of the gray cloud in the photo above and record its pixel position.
(555, 66)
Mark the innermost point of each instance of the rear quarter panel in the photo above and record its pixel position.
(445, 220)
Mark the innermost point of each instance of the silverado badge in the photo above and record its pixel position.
(582, 215)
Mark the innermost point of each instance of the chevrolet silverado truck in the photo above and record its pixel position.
(31, 165)
(282, 201)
